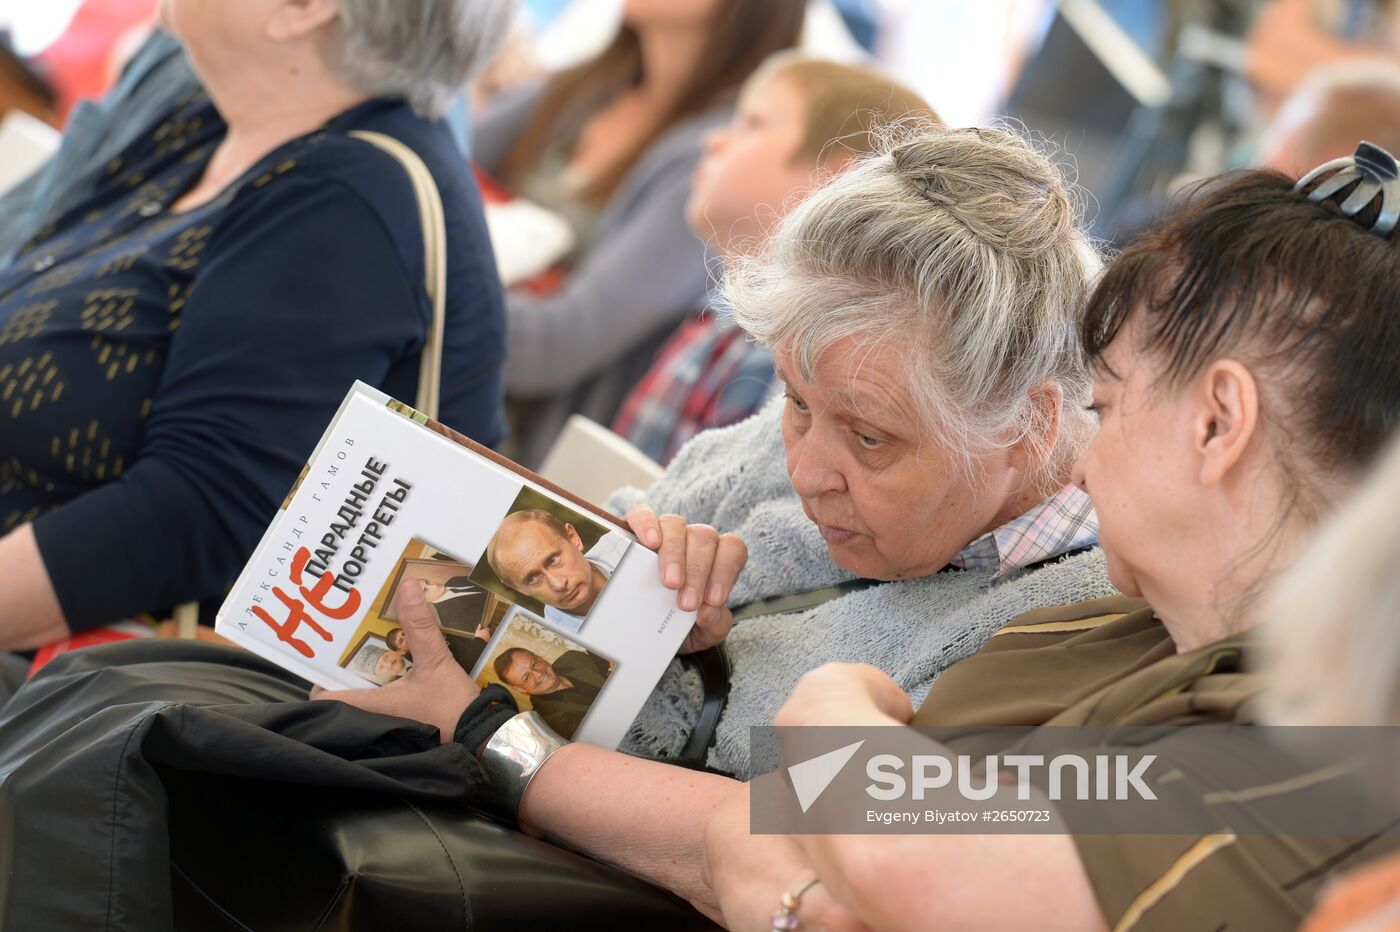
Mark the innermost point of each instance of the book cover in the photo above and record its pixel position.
(534, 589)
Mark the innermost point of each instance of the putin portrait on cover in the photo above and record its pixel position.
(541, 556)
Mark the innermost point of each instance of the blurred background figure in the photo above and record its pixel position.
(1334, 649)
(1289, 40)
(798, 120)
(555, 35)
(1333, 110)
(1142, 92)
(86, 58)
(609, 146)
(156, 79)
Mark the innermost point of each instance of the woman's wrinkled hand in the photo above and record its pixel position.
(846, 694)
(701, 563)
(750, 873)
(435, 690)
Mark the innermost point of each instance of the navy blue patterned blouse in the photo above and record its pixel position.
(163, 376)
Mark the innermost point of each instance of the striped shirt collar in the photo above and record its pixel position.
(1063, 523)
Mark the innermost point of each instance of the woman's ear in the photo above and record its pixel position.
(1226, 419)
(293, 20)
(1047, 402)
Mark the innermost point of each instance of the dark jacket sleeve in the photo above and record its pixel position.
(645, 273)
(267, 347)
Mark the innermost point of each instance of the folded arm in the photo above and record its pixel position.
(939, 881)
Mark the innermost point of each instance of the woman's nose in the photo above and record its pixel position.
(813, 468)
(1076, 475)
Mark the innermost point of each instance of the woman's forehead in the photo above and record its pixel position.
(775, 93)
(1124, 360)
(856, 376)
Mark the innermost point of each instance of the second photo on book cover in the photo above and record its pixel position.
(550, 560)
(546, 671)
(469, 615)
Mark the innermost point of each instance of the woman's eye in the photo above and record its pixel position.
(796, 402)
(1094, 410)
(869, 443)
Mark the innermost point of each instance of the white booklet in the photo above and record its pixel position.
(534, 589)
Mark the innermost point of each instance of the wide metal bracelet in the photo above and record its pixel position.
(512, 757)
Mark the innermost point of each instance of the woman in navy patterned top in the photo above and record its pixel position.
(172, 348)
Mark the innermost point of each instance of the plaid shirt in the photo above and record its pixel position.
(707, 375)
(1063, 523)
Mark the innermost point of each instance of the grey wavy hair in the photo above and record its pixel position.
(963, 250)
(424, 50)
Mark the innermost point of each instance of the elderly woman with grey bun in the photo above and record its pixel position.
(911, 490)
(172, 346)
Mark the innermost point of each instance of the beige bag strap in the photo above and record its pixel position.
(435, 265)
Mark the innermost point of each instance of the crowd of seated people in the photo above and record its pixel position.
(1014, 481)
(868, 470)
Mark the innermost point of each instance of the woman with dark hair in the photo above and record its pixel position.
(611, 147)
(1246, 373)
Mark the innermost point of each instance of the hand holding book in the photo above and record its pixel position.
(435, 690)
(699, 562)
(695, 559)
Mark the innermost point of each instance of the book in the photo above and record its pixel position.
(533, 588)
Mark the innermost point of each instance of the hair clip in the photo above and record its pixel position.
(1378, 175)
